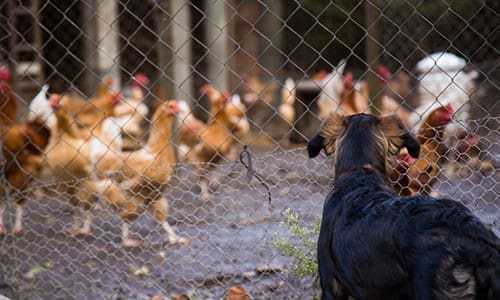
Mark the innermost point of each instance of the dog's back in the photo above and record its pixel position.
(374, 244)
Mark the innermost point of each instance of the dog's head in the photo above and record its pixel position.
(360, 140)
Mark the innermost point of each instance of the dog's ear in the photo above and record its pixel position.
(331, 130)
(411, 143)
(315, 145)
(398, 135)
(326, 137)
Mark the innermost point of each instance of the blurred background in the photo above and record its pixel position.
(282, 67)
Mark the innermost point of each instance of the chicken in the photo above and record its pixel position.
(398, 85)
(389, 104)
(72, 155)
(417, 176)
(8, 101)
(319, 76)
(132, 111)
(91, 113)
(142, 176)
(287, 106)
(352, 101)
(189, 129)
(22, 144)
(216, 140)
(240, 126)
(331, 91)
(441, 81)
(39, 107)
(258, 96)
(355, 97)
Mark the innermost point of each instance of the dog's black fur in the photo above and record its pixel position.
(374, 244)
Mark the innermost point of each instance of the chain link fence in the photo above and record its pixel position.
(112, 190)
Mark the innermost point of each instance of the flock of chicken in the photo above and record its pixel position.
(439, 118)
(93, 148)
(83, 146)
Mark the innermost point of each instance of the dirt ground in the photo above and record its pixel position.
(230, 236)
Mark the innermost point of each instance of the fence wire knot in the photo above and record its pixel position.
(250, 171)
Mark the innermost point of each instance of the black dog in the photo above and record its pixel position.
(374, 244)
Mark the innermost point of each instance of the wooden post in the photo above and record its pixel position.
(90, 77)
(165, 54)
(216, 39)
(372, 52)
(272, 60)
(107, 55)
(180, 13)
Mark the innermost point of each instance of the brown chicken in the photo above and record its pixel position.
(190, 128)
(240, 126)
(22, 145)
(143, 176)
(131, 111)
(258, 97)
(352, 101)
(217, 139)
(389, 104)
(69, 158)
(91, 113)
(417, 176)
(8, 101)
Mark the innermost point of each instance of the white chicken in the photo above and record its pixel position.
(332, 87)
(287, 106)
(40, 108)
(441, 81)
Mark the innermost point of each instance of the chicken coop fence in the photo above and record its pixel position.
(111, 189)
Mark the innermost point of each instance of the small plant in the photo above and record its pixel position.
(301, 245)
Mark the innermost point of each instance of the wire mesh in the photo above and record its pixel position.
(125, 194)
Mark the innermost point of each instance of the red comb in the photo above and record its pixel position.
(54, 101)
(226, 95)
(449, 108)
(348, 78)
(4, 74)
(173, 106)
(384, 74)
(141, 79)
(204, 89)
(116, 98)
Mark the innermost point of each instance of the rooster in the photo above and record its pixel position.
(22, 145)
(142, 176)
(417, 176)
